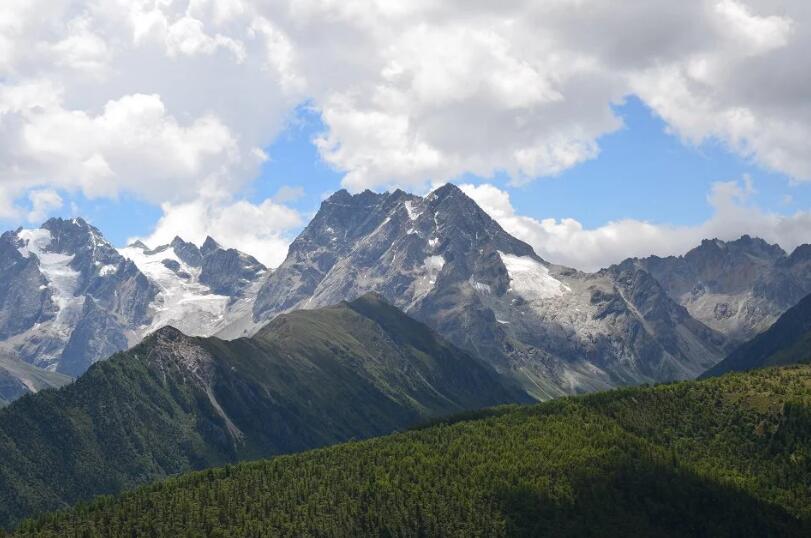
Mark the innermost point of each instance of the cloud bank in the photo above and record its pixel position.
(568, 242)
(173, 101)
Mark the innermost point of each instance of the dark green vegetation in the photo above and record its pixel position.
(175, 403)
(729, 456)
(788, 341)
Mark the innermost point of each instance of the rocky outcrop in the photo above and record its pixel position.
(738, 288)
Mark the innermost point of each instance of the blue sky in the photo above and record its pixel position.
(642, 172)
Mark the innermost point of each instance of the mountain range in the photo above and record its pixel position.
(738, 288)
(175, 402)
(556, 330)
(391, 310)
(69, 299)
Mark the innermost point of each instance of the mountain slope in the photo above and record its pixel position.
(788, 341)
(175, 403)
(70, 277)
(738, 288)
(18, 378)
(721, 457)
(447, 263)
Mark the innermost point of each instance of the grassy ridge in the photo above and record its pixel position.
(723, 457)
(175, 404)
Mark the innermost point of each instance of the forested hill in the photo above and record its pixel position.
(176, 403)
(728, 456)
(788, 341)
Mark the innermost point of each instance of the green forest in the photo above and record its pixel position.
(174, 403)
(728, 456)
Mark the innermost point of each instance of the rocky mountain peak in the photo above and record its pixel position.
(167, 333)
(209, 245)
(74, 236)
(139, 245)
(168, 348)
(338, 197)
(187, 252)
(800, 254)
(746, 245)
(448, 190)
(737, 287)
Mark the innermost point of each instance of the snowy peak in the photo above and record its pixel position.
(138, 244)
(201, 289)
(81, 296)
(187, 252)
(68, 298)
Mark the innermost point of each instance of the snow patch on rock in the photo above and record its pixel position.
(413, 214)
(186, 304)
(531, 279)
(62, 279)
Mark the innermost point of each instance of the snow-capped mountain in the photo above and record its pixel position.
(201, 289)
(446, 262)
(68, 298)
(739, 287)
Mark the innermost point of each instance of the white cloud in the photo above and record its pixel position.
(428, 91)
(257, 229)
(132, 145)
(42, 203)
(186, 36)
(81, 49)
(172, 101)
(158, 100)
(286, 193)
(567, 242)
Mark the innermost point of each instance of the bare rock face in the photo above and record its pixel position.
(96, 336)
(446, 262)
(738, 288)
(64, 276)
(228, 271)
(24, 295)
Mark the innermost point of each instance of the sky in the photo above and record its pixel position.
(593, 130)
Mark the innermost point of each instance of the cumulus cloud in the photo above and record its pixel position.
(568, 242)
(172, 101)
(42, 203)
(427, 91)
(159, 100)
(258, 229)
(131, 145)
